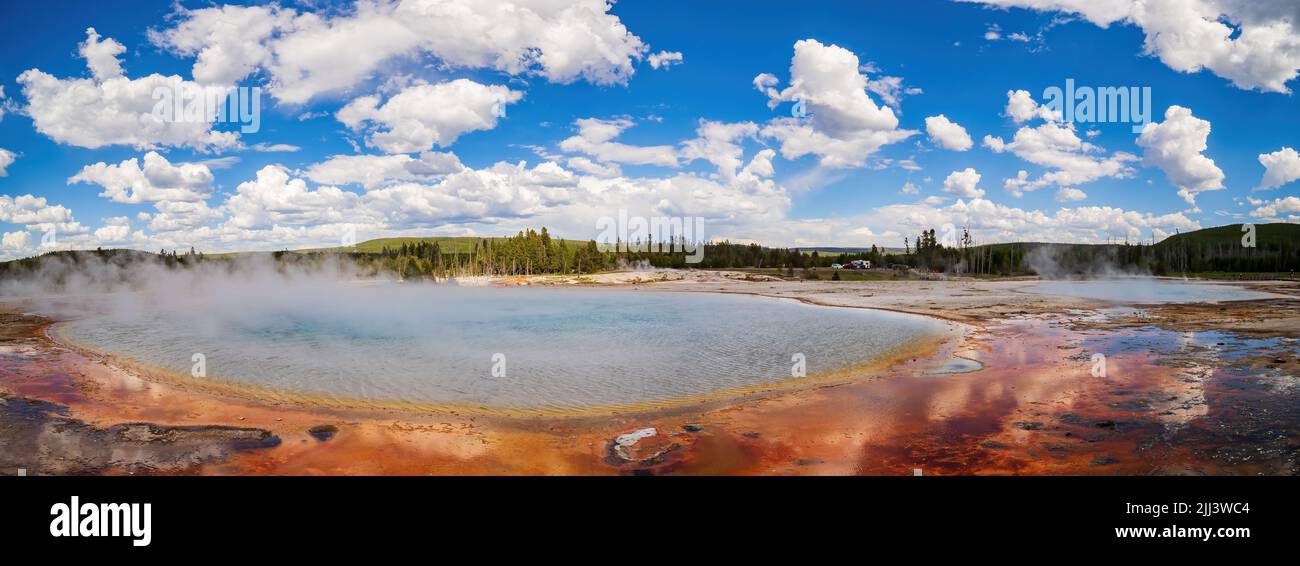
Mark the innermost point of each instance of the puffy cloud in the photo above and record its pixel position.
(1255, 44)
(159, 180)
(963, 183)
(547, 194)
(277, 210)
(843, 126)
(910, 189)
(664, 59)
(1176, 146)
(717, 143)
(276, 198)
(36, 213)
(31, 210)
(230, 42)
(595, 138)
(1056, 146)
(1067, 194)
(111, 109)
(584, 165)
(423, 116)
(115, 230)
(320, 54)
(1278, 210)
(766, 83)
(947, 134)
(374, 170)
(503, 191)
(175, 216)
(1280, 167)
(101, 56)
(991, 222)
(1021, 107)
(307, 53)
(15, 241)
(6, 159)
(760, 166)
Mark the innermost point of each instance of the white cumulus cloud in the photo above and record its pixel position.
(1021, 107)
(309, 53)
(115, 230)
(276, 198)
(1253, 43)
(841, 125)
(595, 138)
(111, 109)
(1055, 146)
(1067, 194)
(1280, 167)
(36, 213)
(16, 241)
(423, 116)
(1177, 147)
(963, 184)
(374, 170)
(158, 180)
(664, 59)
(947, 134)
(1277, 210)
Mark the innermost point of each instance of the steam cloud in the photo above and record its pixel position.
(1064, 262)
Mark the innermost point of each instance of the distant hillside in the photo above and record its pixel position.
(103, 268)
(832, 250)
(1221, 249)
(459, 244)
(1266, 235)
(823, 250)
(118, 258)
(1209, 250)
(1216, 251)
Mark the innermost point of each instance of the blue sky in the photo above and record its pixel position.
(835, 177)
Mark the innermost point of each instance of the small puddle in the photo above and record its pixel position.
(955, 365)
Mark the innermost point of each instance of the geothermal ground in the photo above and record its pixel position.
(1199, 388)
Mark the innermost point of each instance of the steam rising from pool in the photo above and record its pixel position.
(1095, 273)
(551, 347)
(1145, 290)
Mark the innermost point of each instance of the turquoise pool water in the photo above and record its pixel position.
(515, 347)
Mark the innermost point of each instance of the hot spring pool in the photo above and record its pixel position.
(1139, 290)
(558, 348)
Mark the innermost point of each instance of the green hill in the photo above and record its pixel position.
(1206, 251)
(1230, 235)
